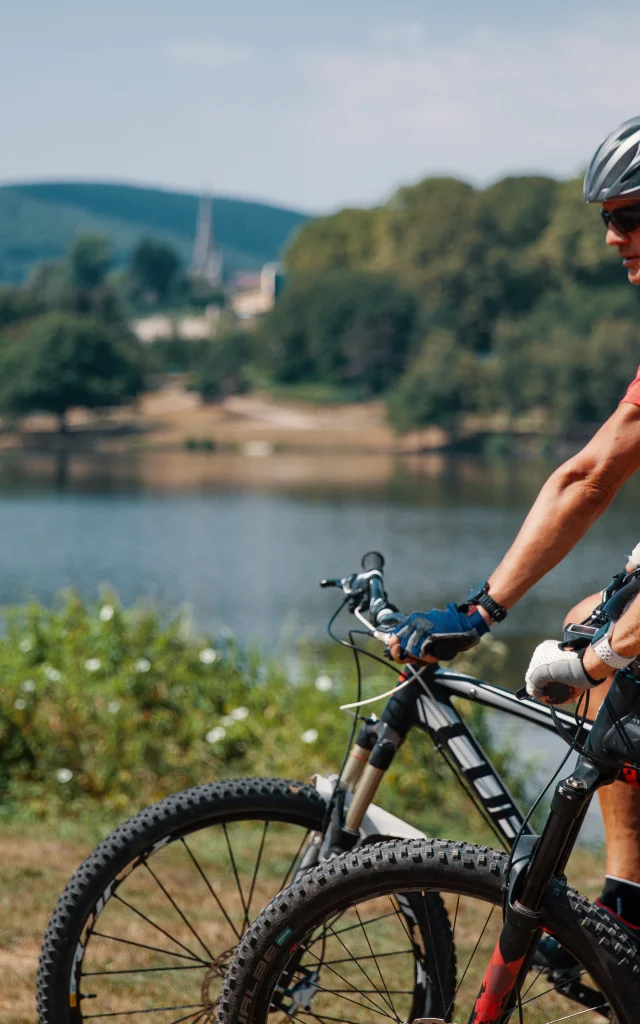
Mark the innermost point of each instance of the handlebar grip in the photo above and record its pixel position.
(372, 560)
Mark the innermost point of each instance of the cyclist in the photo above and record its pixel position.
(569, 503)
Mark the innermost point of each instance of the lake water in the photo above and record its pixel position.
(244, 541)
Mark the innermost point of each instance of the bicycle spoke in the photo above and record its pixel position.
(152, 949)
(452, 943)
(179, 911)
(570, 1016)
(144, 970)
(296, 858)
(357, 962)
(473, 953)
(364, 931)
(235, 869)
(193, 955)
(211, 890)
(149, 1009)
(247, 919)
(394, 952)
(350, 927)
(428, 917)
(359, 991)
(318, 1016)
(351, 987)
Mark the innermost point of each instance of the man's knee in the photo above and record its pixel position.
(582, 610)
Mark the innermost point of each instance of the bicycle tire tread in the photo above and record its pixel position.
(238, 1003)
(137, 834)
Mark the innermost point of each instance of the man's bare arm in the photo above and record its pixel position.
(574, 496)
(569, 503)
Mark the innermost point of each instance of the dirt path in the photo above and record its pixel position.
(171, 416)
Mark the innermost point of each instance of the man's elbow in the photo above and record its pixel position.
(594, 485)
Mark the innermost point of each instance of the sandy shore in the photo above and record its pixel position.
(171, 417)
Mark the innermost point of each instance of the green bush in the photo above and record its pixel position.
(103, 710)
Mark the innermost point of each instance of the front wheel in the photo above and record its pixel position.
(323, 950)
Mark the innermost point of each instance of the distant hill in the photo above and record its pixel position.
(39, 222)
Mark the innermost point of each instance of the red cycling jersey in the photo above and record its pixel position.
(633, 391)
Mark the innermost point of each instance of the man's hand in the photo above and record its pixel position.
(437, 635)
(556, 676)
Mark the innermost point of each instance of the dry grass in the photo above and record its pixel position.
(36, 863)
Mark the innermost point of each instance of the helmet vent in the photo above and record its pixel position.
(631, 172)
(619, 168)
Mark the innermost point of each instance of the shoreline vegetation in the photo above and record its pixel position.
(492, 321)
(104, 709)
(175, 418)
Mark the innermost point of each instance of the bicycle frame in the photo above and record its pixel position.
(614, 740)
(427, 704)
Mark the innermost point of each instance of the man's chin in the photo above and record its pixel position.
(633, 274)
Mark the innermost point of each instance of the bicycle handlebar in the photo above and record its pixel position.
(365, 592)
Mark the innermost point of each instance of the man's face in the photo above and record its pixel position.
(628, 245)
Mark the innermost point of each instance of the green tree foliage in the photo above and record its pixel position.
(153, 273)
(89, 261)
(221, 366)
(517, 273)
(440, 385)
(67, 360)
(345, 240)
(343, 328)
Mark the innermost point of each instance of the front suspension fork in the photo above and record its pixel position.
(536, 861)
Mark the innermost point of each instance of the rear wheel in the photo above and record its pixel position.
(322, 951)
(145, 929)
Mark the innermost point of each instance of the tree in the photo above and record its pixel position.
(348, 328)
(154, 268)
(438, 388)
(89, 261)
(68, 360)
(221, 367)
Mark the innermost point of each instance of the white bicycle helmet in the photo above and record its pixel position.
(614, 171)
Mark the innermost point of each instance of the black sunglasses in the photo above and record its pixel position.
(624, 218)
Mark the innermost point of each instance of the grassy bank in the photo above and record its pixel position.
(104, 709)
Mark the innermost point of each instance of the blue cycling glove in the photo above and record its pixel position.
(441, 633)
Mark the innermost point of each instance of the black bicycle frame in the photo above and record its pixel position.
(426, 703)
(438, 716)
(614, 740)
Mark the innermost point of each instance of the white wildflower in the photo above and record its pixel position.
(214, 735)
(64, 775)
(25, 645)
(93, 664)
(310, 736)
(324, 683)
(20, 703)
(107, 612)
(52, 673)
(239, 714)
(113, 707)
(208, 656)
(28, 686)
(143, 665)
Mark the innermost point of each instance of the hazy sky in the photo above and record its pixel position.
(311, 105)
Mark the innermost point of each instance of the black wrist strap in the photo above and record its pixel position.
(481, 596)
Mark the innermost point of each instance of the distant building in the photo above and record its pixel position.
(188, 327)
(207, 259)
(256, 294)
